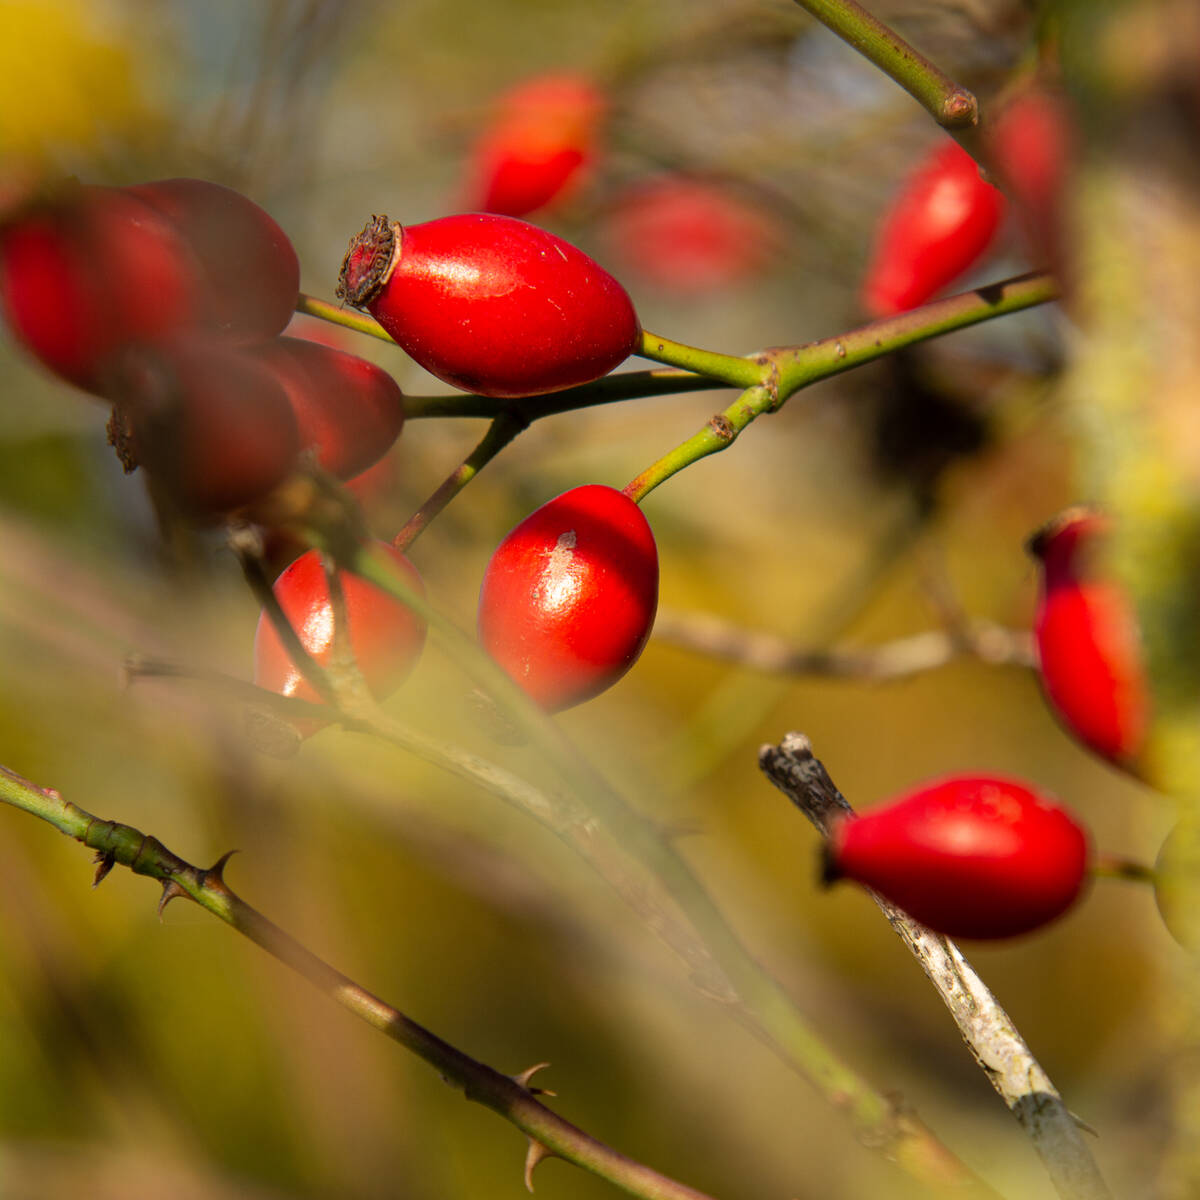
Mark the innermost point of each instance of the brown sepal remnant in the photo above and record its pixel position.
(104, 863)
(368, 262)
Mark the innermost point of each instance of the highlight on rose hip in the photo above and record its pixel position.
(472, 461)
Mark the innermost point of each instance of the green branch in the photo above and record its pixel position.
(951, 106)
(509, 1096)
(790, 368)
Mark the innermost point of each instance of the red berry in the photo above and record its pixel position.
(349, 410)
(973, 856)
(1089, 650)
(569, 596)
(541, 138)
(936, 229)
(251, 272)
(689, 236)
(209, 423)
(83, 279)
(1032, 143)
(491, 304)
(386, 636)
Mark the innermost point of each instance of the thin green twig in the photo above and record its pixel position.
(511, 1097)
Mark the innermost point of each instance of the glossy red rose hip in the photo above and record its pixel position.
(1089, 649)
(971, 856)
(491, 304)
(569, 596)
(940, 224)
(539, 142)
(386, 636)
(349, 411)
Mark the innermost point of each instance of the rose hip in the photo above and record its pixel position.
(491, 304)
(385, 636)
(251, 272)
(569, 596)
(348, 410)
(972, 856)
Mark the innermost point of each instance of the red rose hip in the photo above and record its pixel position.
(940, 224)
(539, 142)
(569, 596)
(86, 277)
(1089, 650)
(386, 636)
(971, 856)
(491, 304)
(250, 269)
(348, 410)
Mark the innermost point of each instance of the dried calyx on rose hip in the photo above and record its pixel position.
(385, 636)
(1089, 647)
(971, 856)
(540, 140)
(349, 411)
(569, 596)
(936, 229)
(491, 304)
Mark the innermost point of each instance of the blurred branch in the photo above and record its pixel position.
(509, 1096)
(898, 659)
(951, 106)
(987, 1029)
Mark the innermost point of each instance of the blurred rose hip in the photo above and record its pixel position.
(541, 138)
(938, 226)
(687, 235)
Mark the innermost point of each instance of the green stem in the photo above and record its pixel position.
(791, 368)
(500, 432)
(951, 106)
(735, 372)
(336, 314)
(1113, 866)
(510, 1097)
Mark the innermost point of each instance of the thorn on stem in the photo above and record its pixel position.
(534, 1155)
(170, 891)
(522, 1080)
(215, 875)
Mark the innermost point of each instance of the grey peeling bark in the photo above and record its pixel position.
(993, 1040)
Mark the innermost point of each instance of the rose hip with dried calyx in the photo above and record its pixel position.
(491, 304)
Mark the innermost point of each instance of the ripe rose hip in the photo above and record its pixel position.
(84, 278)
(936, 229)
(540, 140)
(251, 272)
(972, 856)
(569, 596)
(1089, 652)
(690, 236)
(386, 637)
(491, 304)
(212, 426)
(347, 409)
(1032, 142)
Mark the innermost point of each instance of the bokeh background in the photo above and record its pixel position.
(172, 1057)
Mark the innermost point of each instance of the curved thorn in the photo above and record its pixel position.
(534, 1155)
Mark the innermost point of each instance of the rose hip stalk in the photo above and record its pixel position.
(569, 596)
(971, 856)
(1088, 644)
(940, 224)
(491, 304)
